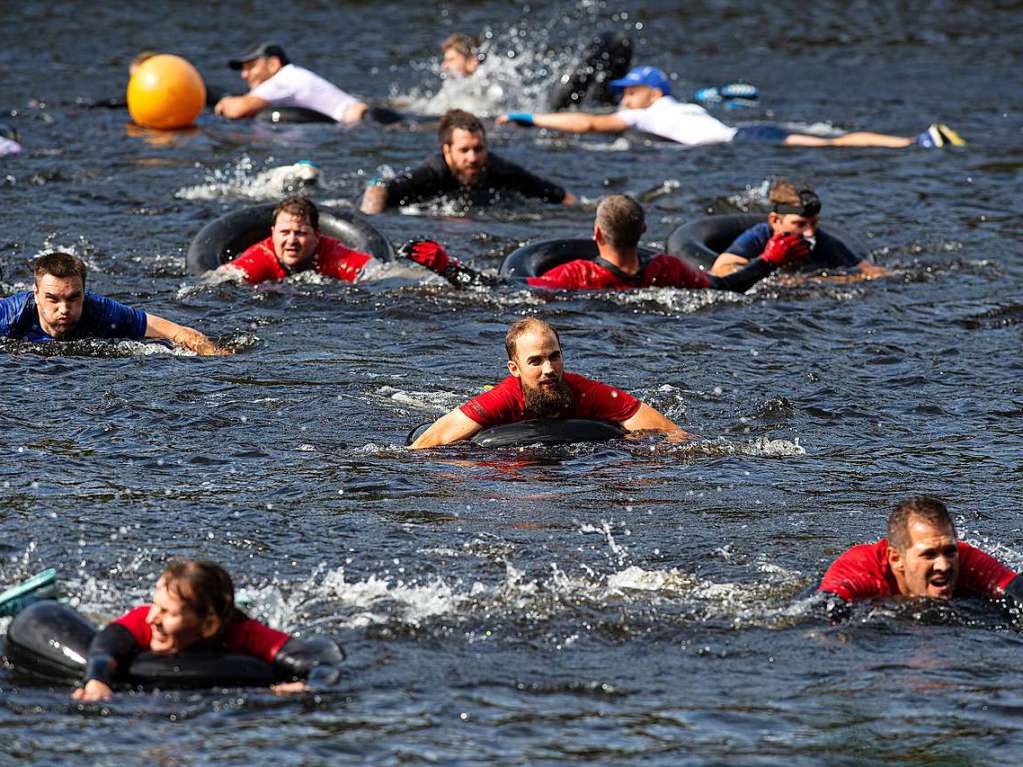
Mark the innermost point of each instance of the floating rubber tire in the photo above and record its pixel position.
(227, 237)
(293, 115)
(554, 431)
(704, 239)
(538, 258)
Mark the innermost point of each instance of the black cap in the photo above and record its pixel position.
(258, 51)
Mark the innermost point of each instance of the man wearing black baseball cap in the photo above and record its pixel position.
(275, 82)
(649, 108)
(794, 217)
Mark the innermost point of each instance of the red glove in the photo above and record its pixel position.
(428, 253)
(785, 248)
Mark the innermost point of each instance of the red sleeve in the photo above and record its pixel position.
(860, 573)
(596, 400)
(980, 574)
(575, 275)
(135, 622)
(250, 637)
(339, 261)
(666, 271)
(497, 406)
(259, 263)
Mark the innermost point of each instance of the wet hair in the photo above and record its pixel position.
(621, 220)
(931, 510)
(520, 327)
(206, 588)
(300, 207)
(458, 118)
(467, 45)
(141, 58)
(59, 264)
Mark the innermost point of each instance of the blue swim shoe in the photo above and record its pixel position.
(939, 135)
(739, 92)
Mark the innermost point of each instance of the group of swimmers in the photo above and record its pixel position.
(193, 604)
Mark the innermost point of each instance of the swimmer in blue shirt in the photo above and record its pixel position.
(60, 309)
(794, 211)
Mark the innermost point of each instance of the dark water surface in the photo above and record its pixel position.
(622, 604)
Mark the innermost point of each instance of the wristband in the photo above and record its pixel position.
(521, 118)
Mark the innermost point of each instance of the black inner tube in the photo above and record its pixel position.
(704, 239)
(228, 236)
(293, 115)
(554, 431)
(538, 258)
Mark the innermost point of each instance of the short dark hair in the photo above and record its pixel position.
(621, 220)
(59, 264)
(458, 118)
(931, 510)
(520, 327)
(206, 588)
(300, 207)
(467, 45)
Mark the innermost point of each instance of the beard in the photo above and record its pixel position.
(548, 402)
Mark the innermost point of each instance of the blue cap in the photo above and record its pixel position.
(652, 77)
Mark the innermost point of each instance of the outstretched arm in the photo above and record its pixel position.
(648, 419)
(237, 107)
(158, 327)
(433, 256)
(315, 661)
(374, 199)
(569, 122)
(112, 646)
(453, 427)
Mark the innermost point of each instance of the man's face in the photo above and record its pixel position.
(789, 223)
(929, 567)
(466, 156)
(540, 369)
(294, 240)
(59, 302)
(259, 70)
(458, 64)
(640, 96)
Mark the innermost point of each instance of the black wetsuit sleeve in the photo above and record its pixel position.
(745, 278)
(834, 253)
(462, 276)
(508, 175)
(317, 660)
(111, 649)
(423, 182)
(1014, 599)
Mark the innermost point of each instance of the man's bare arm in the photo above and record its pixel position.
(453, 427)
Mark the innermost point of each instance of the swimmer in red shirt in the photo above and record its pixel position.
(295, 245)
(539, 387)
(619, 225)
(921, 557)
(193, 610)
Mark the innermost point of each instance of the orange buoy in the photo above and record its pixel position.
(166, 92)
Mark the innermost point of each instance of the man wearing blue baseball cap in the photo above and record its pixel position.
(649, 107)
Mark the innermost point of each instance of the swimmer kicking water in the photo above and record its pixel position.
(539, 387)
(617, 229)
(59, 308)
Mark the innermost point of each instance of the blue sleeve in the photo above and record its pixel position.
(831, 251)
(11, 309)
(105, 318)
(751, 243)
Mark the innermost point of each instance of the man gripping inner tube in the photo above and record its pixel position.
(618, 227)
(539, 387)
(795, 211)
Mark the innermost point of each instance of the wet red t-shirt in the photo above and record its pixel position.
(661, 271)
(863, 572)
(259, 263)
(248, 637)
(505, 403)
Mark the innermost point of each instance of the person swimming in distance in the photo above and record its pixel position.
(539, 387)
(275, 82)
(649, 107)
(617, 228)
(193, 609)
(465, 169)
(296, 245)
(460, 55)
(793, 210)
(59, 308)
(920, 557)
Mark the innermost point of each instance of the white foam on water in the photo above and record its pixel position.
(242, 179)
